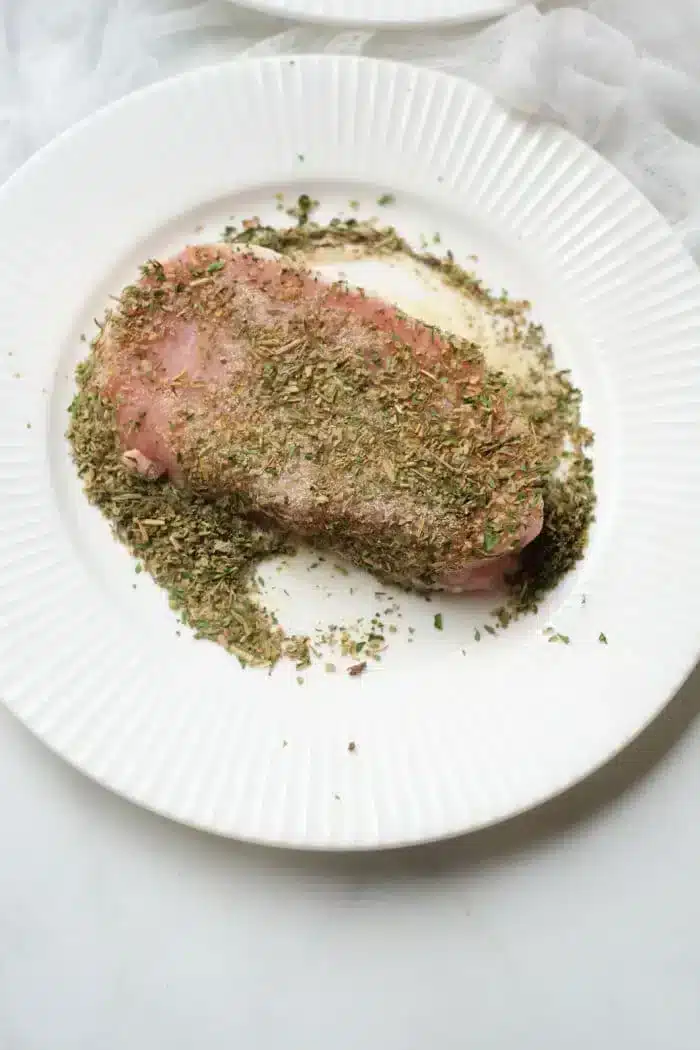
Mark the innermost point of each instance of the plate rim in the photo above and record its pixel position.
(484, 11)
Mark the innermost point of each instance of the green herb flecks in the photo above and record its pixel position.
(545, 398)
(563, 639)
(391, 419)
(202, 552)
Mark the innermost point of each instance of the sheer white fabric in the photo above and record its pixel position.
(622, 74)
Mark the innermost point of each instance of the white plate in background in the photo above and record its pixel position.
(388, 13)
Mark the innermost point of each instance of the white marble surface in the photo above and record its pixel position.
(576, 926)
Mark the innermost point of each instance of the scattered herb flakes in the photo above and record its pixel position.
(357, 669)
(213, 267)
(477, 634)
(205, 556)
(569, 505)
(330, 668)
(300, 680)
(489, 629)
(354, 205)
(352, 747)
(386, 199)
(602, 639)
(301, 211)
(491, 539)
(437, 621)
(205, 553)
(561, 638)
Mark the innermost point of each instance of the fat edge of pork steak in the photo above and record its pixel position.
(328, 412)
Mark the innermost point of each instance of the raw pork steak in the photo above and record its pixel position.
(328, 413)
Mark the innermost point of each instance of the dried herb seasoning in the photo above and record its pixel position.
(204, 551)
(408, 462)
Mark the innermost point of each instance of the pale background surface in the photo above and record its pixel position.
(574, 927)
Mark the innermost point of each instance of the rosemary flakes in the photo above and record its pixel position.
(204, 552)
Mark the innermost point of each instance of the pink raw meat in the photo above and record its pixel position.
(180, 358)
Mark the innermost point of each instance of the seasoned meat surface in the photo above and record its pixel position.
(327, 412)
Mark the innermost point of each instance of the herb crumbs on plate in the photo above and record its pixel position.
(561, 638)
(205, 552)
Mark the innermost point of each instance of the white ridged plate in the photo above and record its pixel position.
(445, 741)
(376, 13)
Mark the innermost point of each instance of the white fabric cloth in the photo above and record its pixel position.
(623, 74)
